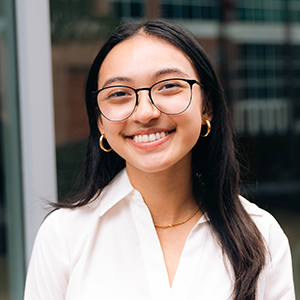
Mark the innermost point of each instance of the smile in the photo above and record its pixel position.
(149, 138)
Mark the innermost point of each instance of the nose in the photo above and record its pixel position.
(145, 111)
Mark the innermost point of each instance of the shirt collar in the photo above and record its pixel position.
(117, 190)
(120, 187)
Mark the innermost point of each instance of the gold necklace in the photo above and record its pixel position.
(179, 223)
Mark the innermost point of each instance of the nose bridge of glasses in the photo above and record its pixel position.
(138, 96)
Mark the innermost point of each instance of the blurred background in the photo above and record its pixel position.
(46, 48)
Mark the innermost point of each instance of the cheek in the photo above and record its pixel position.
(193, 121)
(189, 125)
(112, 132)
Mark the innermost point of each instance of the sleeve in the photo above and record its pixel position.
(48, 271)
(279, 284)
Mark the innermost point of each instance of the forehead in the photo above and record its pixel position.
(145, 58)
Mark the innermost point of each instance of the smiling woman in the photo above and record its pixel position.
(159, 216)
(158, 103)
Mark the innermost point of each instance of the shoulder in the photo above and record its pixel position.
(59, 244)
(86, 214)
(66, 228)
(275, 239)
(63, 236)
(265, 222)
(70, 218)
(77, 224)
(277, 277)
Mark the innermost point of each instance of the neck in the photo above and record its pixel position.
(168, 194)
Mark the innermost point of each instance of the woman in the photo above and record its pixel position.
(160, 215)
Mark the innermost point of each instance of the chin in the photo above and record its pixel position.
(157, 167)
(148, 169)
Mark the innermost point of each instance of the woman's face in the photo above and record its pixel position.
(140, 62)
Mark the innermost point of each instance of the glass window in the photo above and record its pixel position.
(260, 67)
(136, 10)
(260, 11)
(186, 11)
(120, 9)
(203, 9)
(267, 115)
(294, 11)
(75, 39)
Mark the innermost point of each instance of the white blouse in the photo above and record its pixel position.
(109, 250)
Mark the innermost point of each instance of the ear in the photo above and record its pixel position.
(100, 125)
(207, 111)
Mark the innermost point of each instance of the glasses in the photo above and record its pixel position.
(169, 96)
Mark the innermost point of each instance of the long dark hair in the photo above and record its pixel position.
(215, 165)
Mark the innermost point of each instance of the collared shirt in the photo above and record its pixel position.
(109, 249)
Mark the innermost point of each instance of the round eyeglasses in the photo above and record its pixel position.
(170, 96)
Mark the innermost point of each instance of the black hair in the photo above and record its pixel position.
(215, 166)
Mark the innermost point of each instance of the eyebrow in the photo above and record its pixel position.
(157, 74)
(169, 71)
(115, 79)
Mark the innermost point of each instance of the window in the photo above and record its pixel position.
(294, 10)
(133, 9)
(192, 9)
(259, 71)
(260, 11)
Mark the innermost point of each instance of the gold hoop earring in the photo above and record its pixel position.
(208, 128)
(101, 143)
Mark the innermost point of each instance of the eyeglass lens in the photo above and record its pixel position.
(171, 96)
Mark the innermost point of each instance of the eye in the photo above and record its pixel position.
(169, 88)
(116, 93)
(170, 85)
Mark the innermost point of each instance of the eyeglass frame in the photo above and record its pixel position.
(191, 82)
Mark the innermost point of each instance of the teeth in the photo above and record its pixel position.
(149, 138)
(152, 137)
